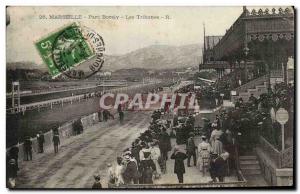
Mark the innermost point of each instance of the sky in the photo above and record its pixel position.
(185, 26)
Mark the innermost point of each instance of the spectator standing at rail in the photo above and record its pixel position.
(179, 156)
(78, 127)
(28, 148)
(41, 141)
(191, 149)
(121, 113)
(56, 142)
(55, 129)
(107, 115)
(100, 115)
(95, 115)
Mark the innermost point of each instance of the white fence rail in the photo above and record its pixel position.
(50, 103)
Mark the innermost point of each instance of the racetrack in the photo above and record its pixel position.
(81, 156)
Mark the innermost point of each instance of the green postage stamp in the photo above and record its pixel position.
(68, 47)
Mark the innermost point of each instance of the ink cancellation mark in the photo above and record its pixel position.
(74, 51)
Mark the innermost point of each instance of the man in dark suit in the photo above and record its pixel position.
(164, 143)
(56, 142)
(179, 156)
(218, 167)
(41, 141)
(131, 174)
(191, 149)
(28, 148)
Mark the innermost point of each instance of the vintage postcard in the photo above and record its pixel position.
(150, 97)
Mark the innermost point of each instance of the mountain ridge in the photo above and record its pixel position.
(150, 57)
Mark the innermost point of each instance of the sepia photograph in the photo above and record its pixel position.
(150, 97)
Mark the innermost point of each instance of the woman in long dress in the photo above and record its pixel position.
(204, 150)
(215, 139)
(155, 155)
(119, 169)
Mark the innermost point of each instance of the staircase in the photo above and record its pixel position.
(255, 87)
(250, 168)
(252, 84)
(249, 165)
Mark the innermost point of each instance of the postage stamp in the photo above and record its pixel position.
(70, 47)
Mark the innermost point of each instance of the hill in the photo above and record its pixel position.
(151, 57)
(156, 57)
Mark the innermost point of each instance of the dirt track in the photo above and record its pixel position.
(81, 156)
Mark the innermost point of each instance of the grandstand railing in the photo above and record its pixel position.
(286, 158)
(282, 159)
(251, 84)
(65, 132)
(89, 85)
(71, 99)
(241, 182)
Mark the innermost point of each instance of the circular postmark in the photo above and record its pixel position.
(77, 52)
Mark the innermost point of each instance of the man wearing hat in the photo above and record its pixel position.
(191, 149)
(97, 183)
(212, 167)
(41, 141)
(206, 127)
(135, 150)
(147, 168)
(56, 142)
(28, 148)
(252, 99)
(180, 139)
(179, 156)
(55, 129)
(145, 148)
(164, 143)
(131, 174)
(218, 167)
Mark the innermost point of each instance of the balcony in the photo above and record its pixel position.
(251, 29)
